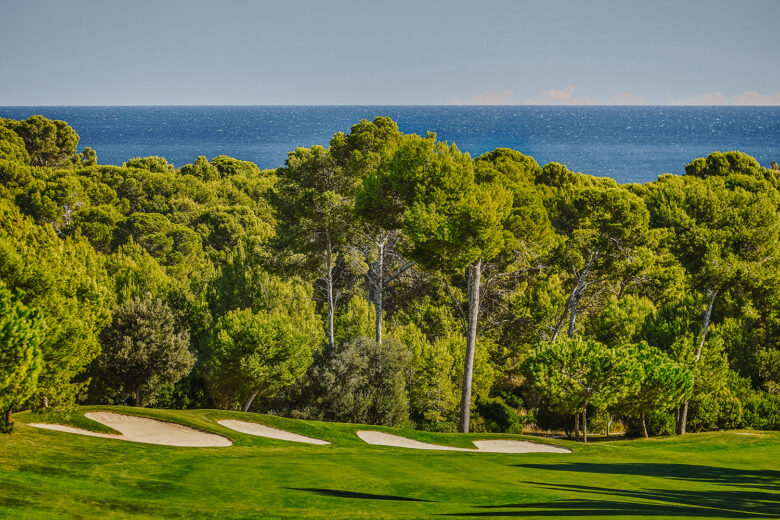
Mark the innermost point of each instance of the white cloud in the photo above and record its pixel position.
(716, 98)
(560, 97)
(626, 98)
(488, 98)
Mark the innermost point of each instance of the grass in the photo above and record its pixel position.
(48, 475)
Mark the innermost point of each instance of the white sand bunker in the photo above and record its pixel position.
(260, 430)
(485, 446)
(512, 446)
(386, 439)
(142, 429)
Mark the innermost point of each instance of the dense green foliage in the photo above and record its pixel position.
(142, 351)
(21, 332)
(495, 292)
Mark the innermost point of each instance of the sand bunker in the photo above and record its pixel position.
(386, 439)
(260, 430)
(512, 446)
(142, 429)
(485, 446)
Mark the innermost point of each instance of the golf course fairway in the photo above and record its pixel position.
(46, 474)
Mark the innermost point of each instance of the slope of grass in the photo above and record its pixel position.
(46, 474)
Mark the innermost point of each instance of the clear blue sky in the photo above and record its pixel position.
(143, 52)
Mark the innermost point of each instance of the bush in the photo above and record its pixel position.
(658, 423)
(142, 350)
(499, 417)
(760, 409)
(722, 411)
(361, 382)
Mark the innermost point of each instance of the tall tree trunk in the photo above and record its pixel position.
(705, 325)
(329, 290)
(474, 279)
(585, 423)
(248, 402)
(644, 427)
(609, 424)
(577, 293)
(7, 418)
(576, 426)
(379, 289)
(561, 320)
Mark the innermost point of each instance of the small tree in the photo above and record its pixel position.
(256, 353)
(141, 350)
(664, 384)
(365, 382)
(573, 373)
(21, 332)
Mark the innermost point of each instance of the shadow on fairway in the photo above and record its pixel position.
(351, 494)
(668, 502)
(762, 479)
(602, 509)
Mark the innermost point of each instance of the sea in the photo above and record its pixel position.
(627, 143)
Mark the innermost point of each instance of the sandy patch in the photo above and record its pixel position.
(251, 428)
(387, 439)
(142, 429)
(486, 446)
(512, 446)
(747, 433)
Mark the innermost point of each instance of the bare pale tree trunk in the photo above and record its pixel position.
(585, 423)
(474, 278)
(609, 423)
(705, 325)
(577, 293)
(644, 426)
(329, 291)
(377, 281)
(561, 320)
(379, 289)
(248, 402)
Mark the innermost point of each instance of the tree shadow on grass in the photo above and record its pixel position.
(762, 479)
(351, 494)
(602, 509)
(653, 502)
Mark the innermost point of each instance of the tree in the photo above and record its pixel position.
(48, 143)
(723, 233)
(432, 396)
(599, 227)
(153, 163)
(142, 350)
(66, 281)
(201, 169)
(364, 151)
(21, 333)
(11, 145)
(313, 201)
(265, 332)
(572, 373)
(363, 382)
(452, 222)
(256, 354)
(663, 384)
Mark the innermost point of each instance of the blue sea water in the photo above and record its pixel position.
(629, 144)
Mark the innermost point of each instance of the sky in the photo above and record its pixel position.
(392, 52)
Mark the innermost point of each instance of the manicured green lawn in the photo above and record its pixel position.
(47, 474)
